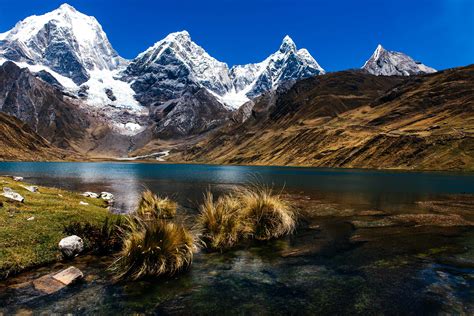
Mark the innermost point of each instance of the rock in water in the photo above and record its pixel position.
(106, 196)
(12, 195)
(69, 275)
(71, 246)
(52, 283)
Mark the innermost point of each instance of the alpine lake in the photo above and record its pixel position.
(368, 242)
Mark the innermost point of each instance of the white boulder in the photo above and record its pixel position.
(12, 195)
(83, 203)
(31, 188)
(71, 246)
(91, 195)
(18, 178)
(107, 196)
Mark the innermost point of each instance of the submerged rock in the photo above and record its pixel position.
(69, 275)
(71, 246)
(52, 283)
(439, 220)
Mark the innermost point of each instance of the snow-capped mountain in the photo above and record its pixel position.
(72, 49)
(390, 63)
(287, 64)
(176, 63)
(65, 40)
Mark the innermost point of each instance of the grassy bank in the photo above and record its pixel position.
(30, 231)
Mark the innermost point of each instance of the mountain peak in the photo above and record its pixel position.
(65, 7)
(287, 45)
(181, 35)
(391, 63)
(378, 51)
(66, 40)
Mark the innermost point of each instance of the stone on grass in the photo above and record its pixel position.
(71, 246)
(83, 203)
(90, 195)
(31, 188)
(107, 196)
(18, 178)
(32, 218)
(12, 195)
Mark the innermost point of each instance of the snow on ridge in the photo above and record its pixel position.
(64, 81)
(92, 48)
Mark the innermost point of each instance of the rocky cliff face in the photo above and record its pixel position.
(390, 63)
(40, 105)
(19, 142)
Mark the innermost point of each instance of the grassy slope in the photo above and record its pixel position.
(25, 244)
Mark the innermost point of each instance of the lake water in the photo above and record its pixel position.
(328, 267)
(187, 183)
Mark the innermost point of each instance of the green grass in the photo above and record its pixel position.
(25, 244)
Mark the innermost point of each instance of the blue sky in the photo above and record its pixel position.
(340, 34)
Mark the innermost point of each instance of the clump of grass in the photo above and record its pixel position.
(152, 206)
(220, 222)
(269, 215)
(153, 249)
(250, 212)
(100, 239)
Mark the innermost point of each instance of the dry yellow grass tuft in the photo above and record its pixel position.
(269, 215)
(153, 249)
(251, 212)
(220, 222)
(153, 207)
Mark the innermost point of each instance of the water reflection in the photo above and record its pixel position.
(187, 183)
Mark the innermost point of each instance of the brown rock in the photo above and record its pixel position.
(52, 283)
(47, 284)
(69, 275)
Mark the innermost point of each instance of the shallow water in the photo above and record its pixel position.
(327, 267)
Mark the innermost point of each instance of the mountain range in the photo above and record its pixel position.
(60, 74)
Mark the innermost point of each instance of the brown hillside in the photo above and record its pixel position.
(20, 142)
(351, 119)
